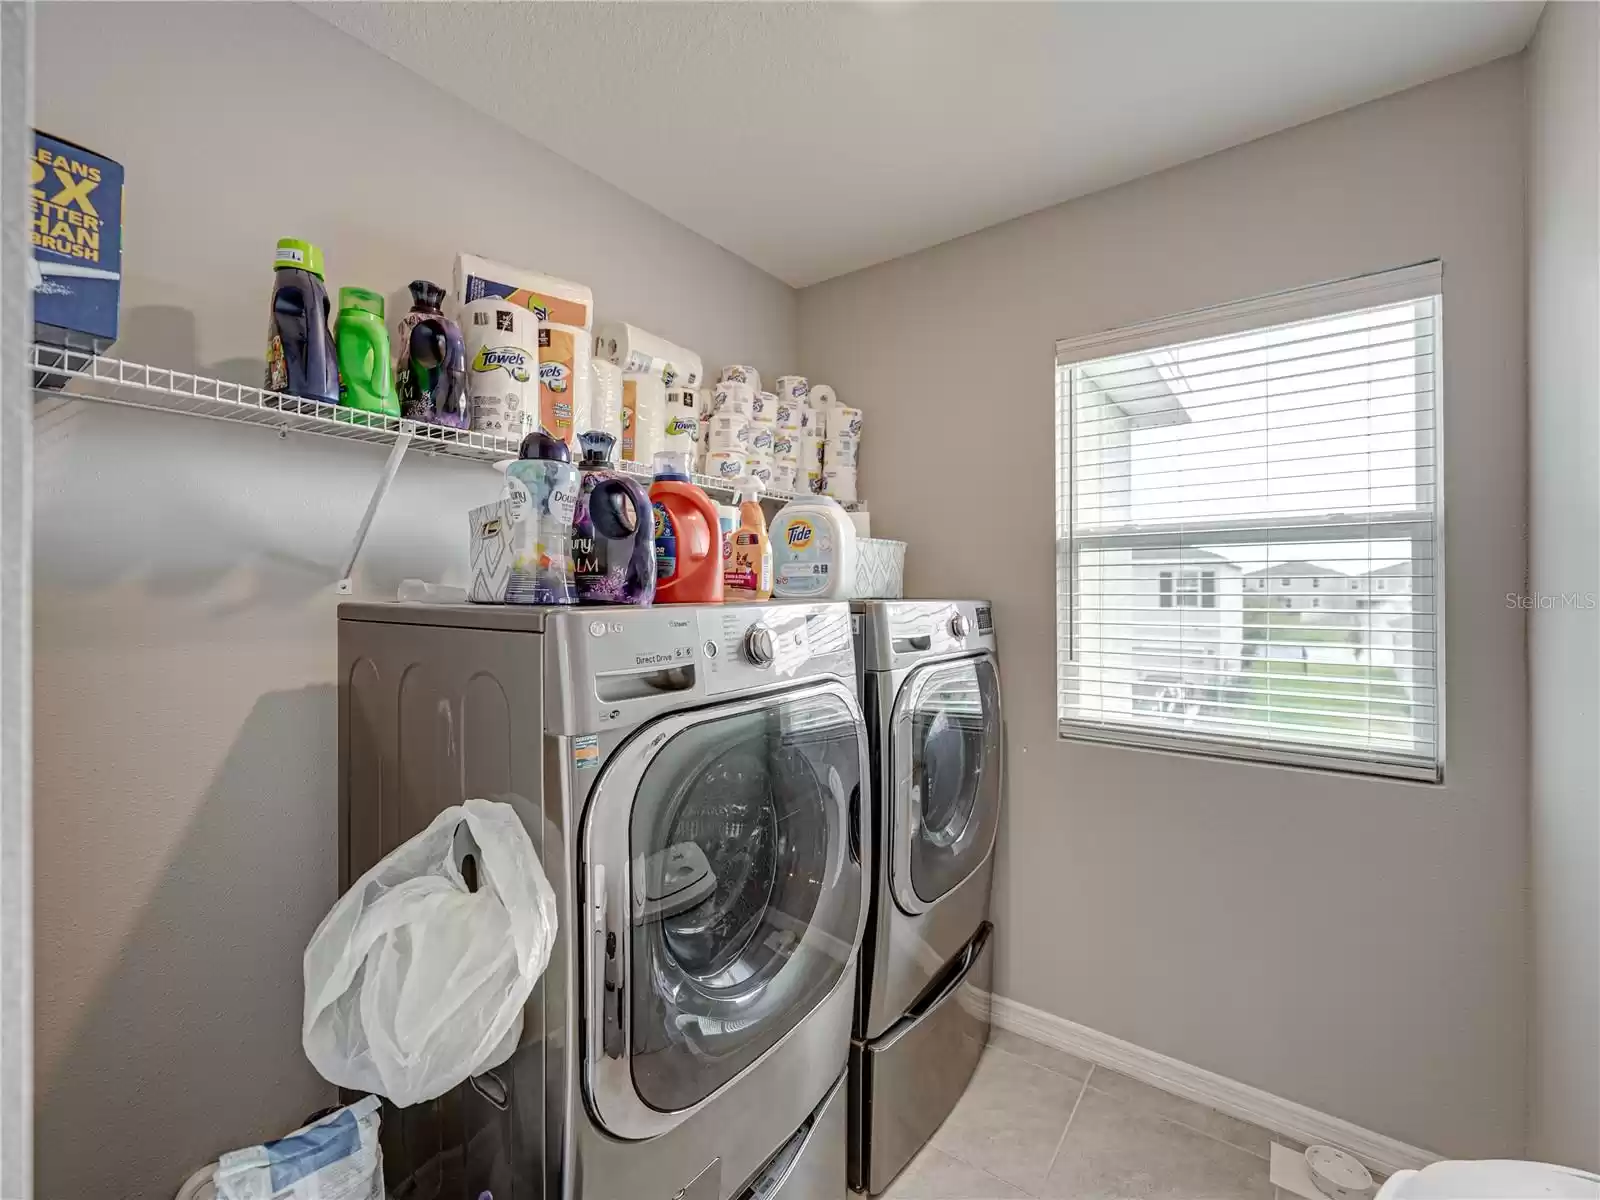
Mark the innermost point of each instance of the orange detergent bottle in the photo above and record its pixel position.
(688, 537)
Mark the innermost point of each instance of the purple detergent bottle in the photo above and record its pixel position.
(613, 531)
(431, 375)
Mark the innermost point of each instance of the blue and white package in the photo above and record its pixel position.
(336, 1158)
(75, 225)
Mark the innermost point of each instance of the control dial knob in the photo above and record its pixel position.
(958, 626)
(758, 648)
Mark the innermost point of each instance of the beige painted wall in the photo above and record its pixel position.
(185, 727)
(1353, 944)
(1564, 561)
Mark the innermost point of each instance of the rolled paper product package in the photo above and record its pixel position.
(565, 377)
(844, 422)
(605, 399)
(502, 345)
(741, 375)
(840, 483)
(821, 396)
(786, 447)
(789, 414)
(841, 450)
(765, 408)
(639, 352)
(811, 451)
(644, 418)
(734, 397)
(761, 440)
(682, 428)
(792, 387)
(784, 477)
(728, 431)
(760, 468)
(726, 464)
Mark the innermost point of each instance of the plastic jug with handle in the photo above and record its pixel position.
(613, 531)
(366, 376)
(300, 354)
(688, 536)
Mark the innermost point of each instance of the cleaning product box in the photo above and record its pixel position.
(75, 219)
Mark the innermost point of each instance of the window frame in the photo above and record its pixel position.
(1416, 282)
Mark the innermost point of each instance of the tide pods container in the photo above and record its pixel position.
(813, 550)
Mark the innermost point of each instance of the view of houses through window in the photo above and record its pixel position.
(1248, 538)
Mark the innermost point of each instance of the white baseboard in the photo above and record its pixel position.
(1274, 1113)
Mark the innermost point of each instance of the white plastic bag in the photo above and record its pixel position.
(414, 982)
(336, 1158)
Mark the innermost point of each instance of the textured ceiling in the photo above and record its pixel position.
(814, 139)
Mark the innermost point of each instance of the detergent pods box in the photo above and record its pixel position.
(75, 222)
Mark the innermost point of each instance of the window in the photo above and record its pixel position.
(1199, 458)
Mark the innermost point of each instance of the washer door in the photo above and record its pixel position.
(946, 762)
(726, 893)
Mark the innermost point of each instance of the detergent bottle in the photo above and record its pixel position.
(300, 356)
(366, 376)
(688, 538)
(613, 531)
(813, 550)
(747, 553)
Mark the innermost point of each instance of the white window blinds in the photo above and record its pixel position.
(1248, 530)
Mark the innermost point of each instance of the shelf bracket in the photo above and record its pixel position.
(398, 451)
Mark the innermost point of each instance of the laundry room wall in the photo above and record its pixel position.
(1564, 574)
(185, 715)
(1354, 944)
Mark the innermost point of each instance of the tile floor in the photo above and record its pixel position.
(1038, 1122)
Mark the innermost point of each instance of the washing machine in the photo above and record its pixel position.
(692, 780)
(930, 691)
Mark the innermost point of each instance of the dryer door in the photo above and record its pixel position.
(946, 759)
(726, 896)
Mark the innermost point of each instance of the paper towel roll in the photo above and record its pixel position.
(840, 484)
(732, 397)
(741, 375)
(682, 428)
(565, 377)
(644, 418)
(841, 450)
(605, 398)
(761, 440)
(502, 367)
(639, 352)
(728, 431)
(792, 387)
(765, 408)
(726, 464)
(822, 396)
(552, 300)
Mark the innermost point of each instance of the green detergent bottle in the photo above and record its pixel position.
(366, 373)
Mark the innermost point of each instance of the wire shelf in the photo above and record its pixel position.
(79, 375)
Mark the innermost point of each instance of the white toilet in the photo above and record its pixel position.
(1491, 1179)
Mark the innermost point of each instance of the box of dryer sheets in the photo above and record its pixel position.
(75, 220)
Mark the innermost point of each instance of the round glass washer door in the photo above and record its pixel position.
(947, 776)
(746, 898)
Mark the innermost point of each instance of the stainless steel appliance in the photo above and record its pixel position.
(931, 695)
(691, 778)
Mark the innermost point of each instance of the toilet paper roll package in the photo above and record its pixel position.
(822, 396)
(844, 421)
(784, 477)
(741, 375)
(760, 468)
(840, 483)
(790, 414)
(733, 397)
(644, 418)
(841, 450)
(792, 387)
(786, 447)
(728, 432)
(605, 398)
(761, 440)
(682, 433)
(726, 464)
(811, 451)
(764, 410)
(639, 352)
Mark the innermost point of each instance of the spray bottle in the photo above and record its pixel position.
(747, 558)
